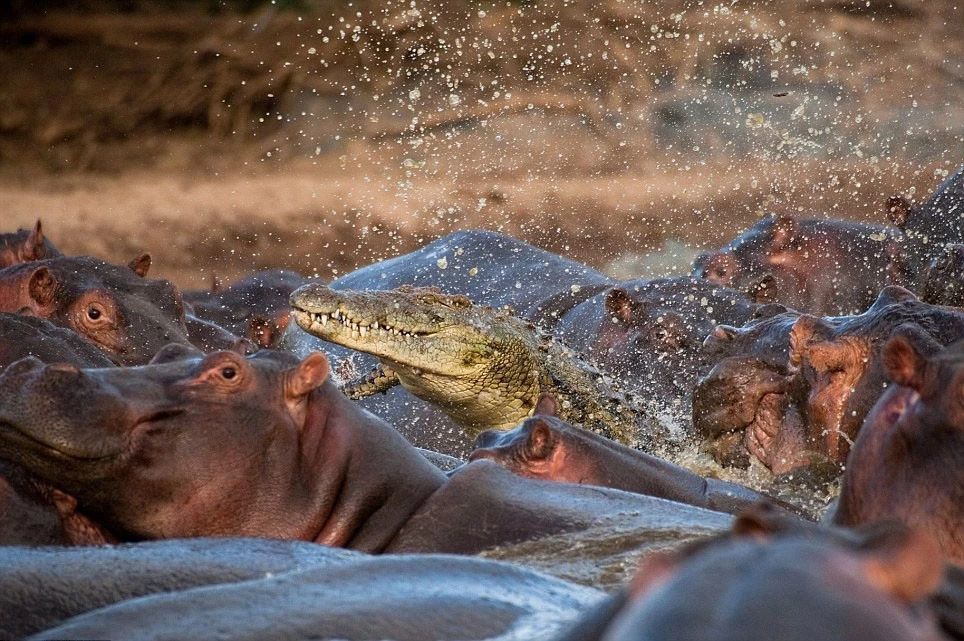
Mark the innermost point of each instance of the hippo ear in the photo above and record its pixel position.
(141, 265)
(903, 363)
(760, 520)
(547, 405)
(907, 564)
(260, 331)
(265, 332)
(541, 441)
(898, 211)
(724, 333)
(619, 306)
(784, 231)
(33, 248)
(763, 290)
(670, 332)
(308, 375)
(42, 287)
(891, 295)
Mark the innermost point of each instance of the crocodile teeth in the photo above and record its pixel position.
(363, 330)
(323, 319)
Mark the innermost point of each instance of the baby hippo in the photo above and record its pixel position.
(545, 447)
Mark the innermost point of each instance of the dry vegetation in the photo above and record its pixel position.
(328, 135)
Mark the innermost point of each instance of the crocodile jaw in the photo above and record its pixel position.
(477, 392)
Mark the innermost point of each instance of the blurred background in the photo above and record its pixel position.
(318, 135)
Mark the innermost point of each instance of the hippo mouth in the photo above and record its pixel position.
(18, 443)
(751, 437)
(744, 409)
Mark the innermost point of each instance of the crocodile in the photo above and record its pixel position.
(483, 366)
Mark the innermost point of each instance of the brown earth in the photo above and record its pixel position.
(326, 136)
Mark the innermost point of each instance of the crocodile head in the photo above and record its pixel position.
(480, 365)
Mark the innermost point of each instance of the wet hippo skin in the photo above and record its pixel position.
(929, 226)
(41, 587)
(22, 336)
(793, 390)
(825, 267)
(255, 307)
(545, 447)
(403, 598)
(809, 584)
(282, 454)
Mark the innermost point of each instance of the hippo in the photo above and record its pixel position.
(25, 245)
(60, 583)
(638, 331)
(930, 226)
(488, 267)
(403, 598)
(22, 335)
(283, 454)
(255, 307)
(908, 459)
(798, 394)
(116, 308)
(824, 267)
(31, 512)
(793, 585)
(545, 447)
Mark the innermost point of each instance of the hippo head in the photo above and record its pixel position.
(643, 329)
(127, 315)
(24, 246)
(753, 254)
(842, 366)
(907, 460)
(531, 449)
(749, 403)
(718, 267)
(792, 587)
(189, 445)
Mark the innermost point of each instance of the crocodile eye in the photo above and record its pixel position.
(228, 372)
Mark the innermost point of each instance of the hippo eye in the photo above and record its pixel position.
(228, 373)
(93, 313)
